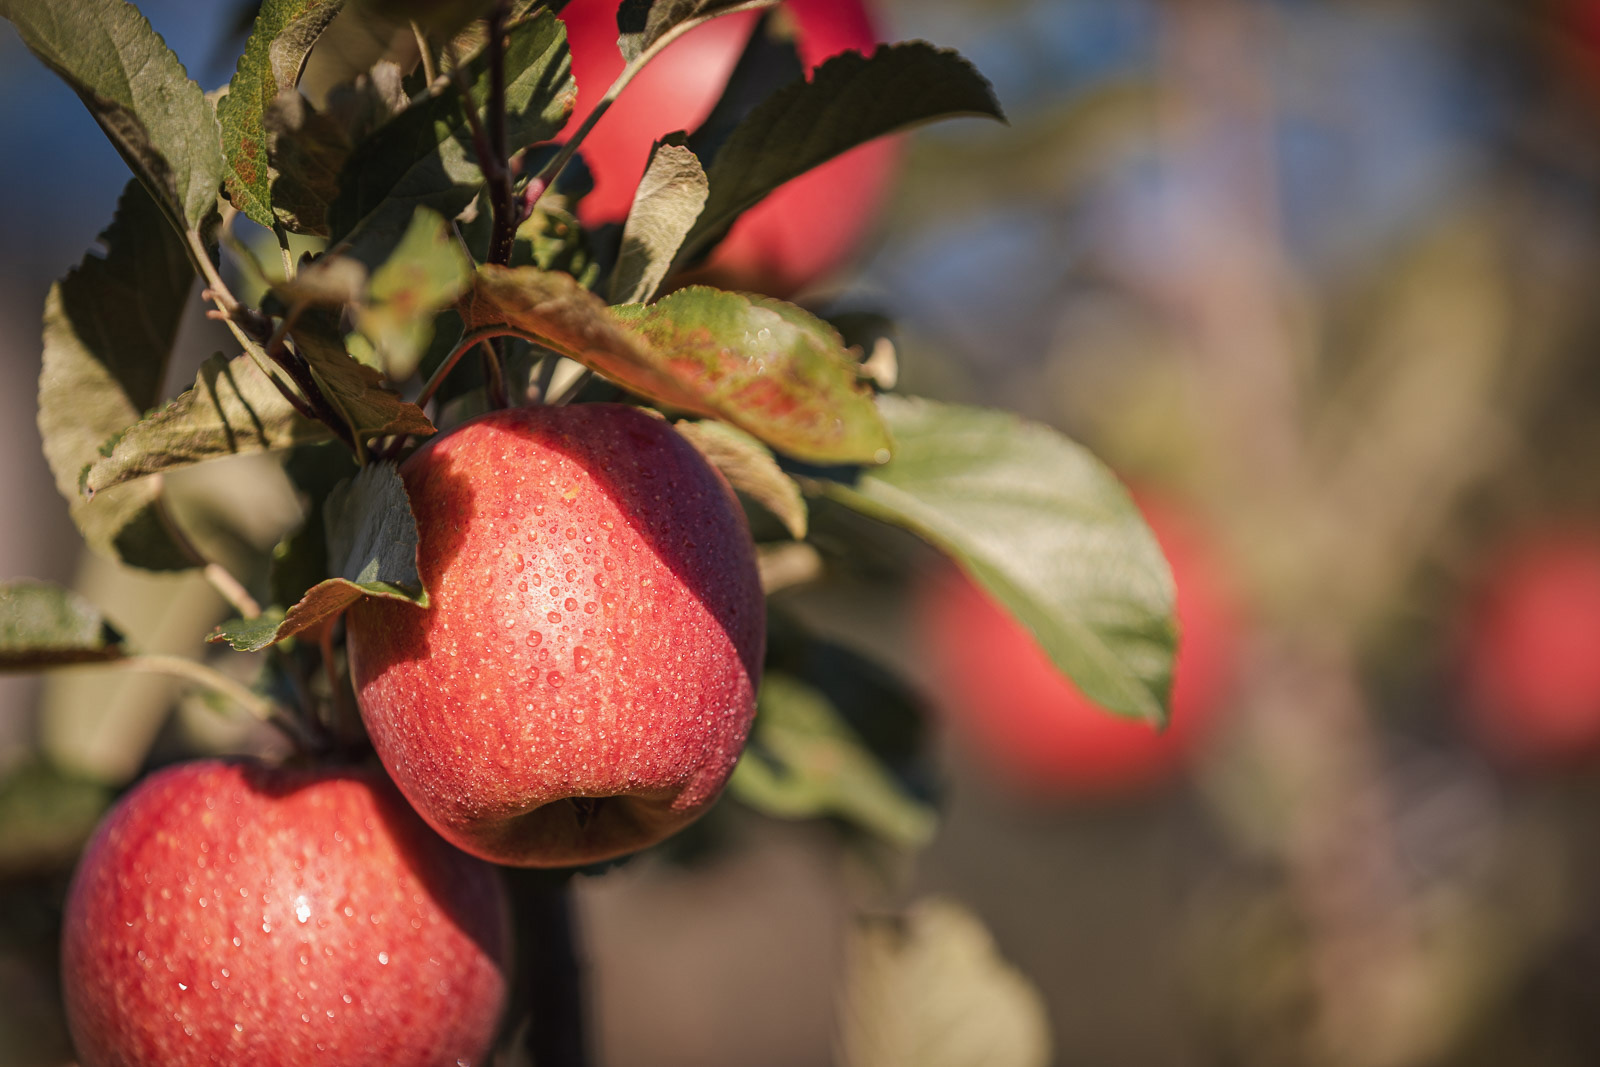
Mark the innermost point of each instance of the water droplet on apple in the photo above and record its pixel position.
(554, 678)
(572, 603)
(554, 616)
(580, 659)
(534, 637)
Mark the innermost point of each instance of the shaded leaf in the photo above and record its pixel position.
(668, 200)
(109, 326)
(356, 390)
(307, 148)
(641, 23)
(1045, 528)
(426, 273)
(44, 625)
(804, 761)
(770, 368)
(424, 156)
(749, 468)
(850, 99)
(273, 57)
(929, 989)
(158, 120)
(372, 536)
(232, 408)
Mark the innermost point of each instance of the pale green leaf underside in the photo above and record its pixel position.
(44, 625)
(804, 762)
(231, 409)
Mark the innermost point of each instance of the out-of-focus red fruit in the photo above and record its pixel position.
(585, 678)
(800, 233)
(1531, 661)
(1032, 728)
(230, 912)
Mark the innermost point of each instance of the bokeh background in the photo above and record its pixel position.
(1320, 274)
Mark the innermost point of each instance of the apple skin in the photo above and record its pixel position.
(585, 678)
(231, 912)
(1033, 729)
(1531, 650)
(804, 230)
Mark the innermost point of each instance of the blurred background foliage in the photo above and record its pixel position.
(1320, 271)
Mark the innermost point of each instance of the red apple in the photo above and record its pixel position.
(800, 233)
(585, 678)
(1531, 661)
(1032, 727)
(230, 912)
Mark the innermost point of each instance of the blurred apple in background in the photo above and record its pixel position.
(799, 234)
(1032, 728)
(1531, 649)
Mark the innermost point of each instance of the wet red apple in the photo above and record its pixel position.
(231, 912)
(1531, 656)
(1032, 728)
(804, 230)
(585, 678)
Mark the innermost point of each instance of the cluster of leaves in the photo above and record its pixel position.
(442, 225)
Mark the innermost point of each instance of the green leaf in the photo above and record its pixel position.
(668, 200)
(48, 815)
(372, 533)
(639, 28)
(356, 390)
(426, 273)
(232, 408)
(158, 120)
(804, 761)
(307, 148)
(1045, 528)
(273, 57)
(44, 625)
(774, 370)
(749, 468)
(929, 989)
(109, 326)
(424, 156)
(849, 100)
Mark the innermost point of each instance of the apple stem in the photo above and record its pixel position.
(549, 977)
(261, 707)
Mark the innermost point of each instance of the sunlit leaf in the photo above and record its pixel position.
(750, 468)
(273, 57)
(1045, 528)
(668, 200)
(427, 271)
(44, 625)
(232, 408)
(355, 390)
(929, 989)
